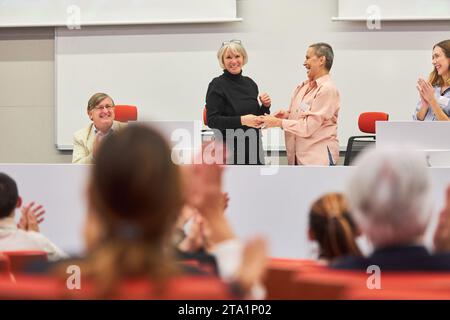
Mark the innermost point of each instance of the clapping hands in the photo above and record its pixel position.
(32, 215)
(426, 91)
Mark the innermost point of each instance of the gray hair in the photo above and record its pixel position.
(235, 46)
(322, 49)
(389, 194)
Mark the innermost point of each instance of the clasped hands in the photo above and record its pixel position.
(266, 121)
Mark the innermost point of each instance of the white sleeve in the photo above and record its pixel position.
(54, 253)
(444, 102)
(228, 255)
(416, 110)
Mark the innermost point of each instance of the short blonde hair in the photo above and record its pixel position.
(235, 46)
(96, 99)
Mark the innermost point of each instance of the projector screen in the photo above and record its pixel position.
(78, 13)
(394, 9)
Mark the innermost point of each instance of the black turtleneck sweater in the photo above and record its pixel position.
(228, 98)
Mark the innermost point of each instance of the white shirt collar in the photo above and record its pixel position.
(8, 223)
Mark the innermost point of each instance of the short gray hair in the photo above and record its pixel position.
(390, 197)
(323, 49)
(234, 47)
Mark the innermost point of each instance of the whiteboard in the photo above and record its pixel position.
(73, 13)
(394, 9)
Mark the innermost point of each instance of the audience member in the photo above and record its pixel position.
(25, 235)
(390, 197)
(331, 225)
(434, 103)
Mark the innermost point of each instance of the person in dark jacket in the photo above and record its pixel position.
(391, 200)
(233, 108)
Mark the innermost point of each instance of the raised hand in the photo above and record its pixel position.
(253, 264)
(265, 100)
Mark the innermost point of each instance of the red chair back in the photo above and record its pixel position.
(4, 263)
(205, 118)
(176, 288)
(279, 280)
(336, 284)
(366, 121)
(31, 288)
(20, 260)
(125, 113)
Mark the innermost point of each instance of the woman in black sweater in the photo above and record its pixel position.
(233, 109)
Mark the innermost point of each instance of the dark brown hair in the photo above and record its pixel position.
(332, 227)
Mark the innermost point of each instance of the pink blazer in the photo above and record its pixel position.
(311, 127)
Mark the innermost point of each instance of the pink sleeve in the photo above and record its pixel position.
(323, 108)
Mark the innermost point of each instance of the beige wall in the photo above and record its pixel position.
(27, 103)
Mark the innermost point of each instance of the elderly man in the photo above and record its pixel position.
(391, 200)
(100, 110)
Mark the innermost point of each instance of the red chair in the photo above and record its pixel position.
(31, 288)
(336, 284)
(4, 263)
(280, 275)
(20, 260)
(205, 117)
(176, 288)
(125, 113)
(366, 124)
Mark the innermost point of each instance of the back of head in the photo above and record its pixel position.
(135, 186)
(135, 196)
(8, 195)
(332, 227)
(390, 196)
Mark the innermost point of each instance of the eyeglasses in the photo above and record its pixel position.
(231, 41)
(108, 107)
